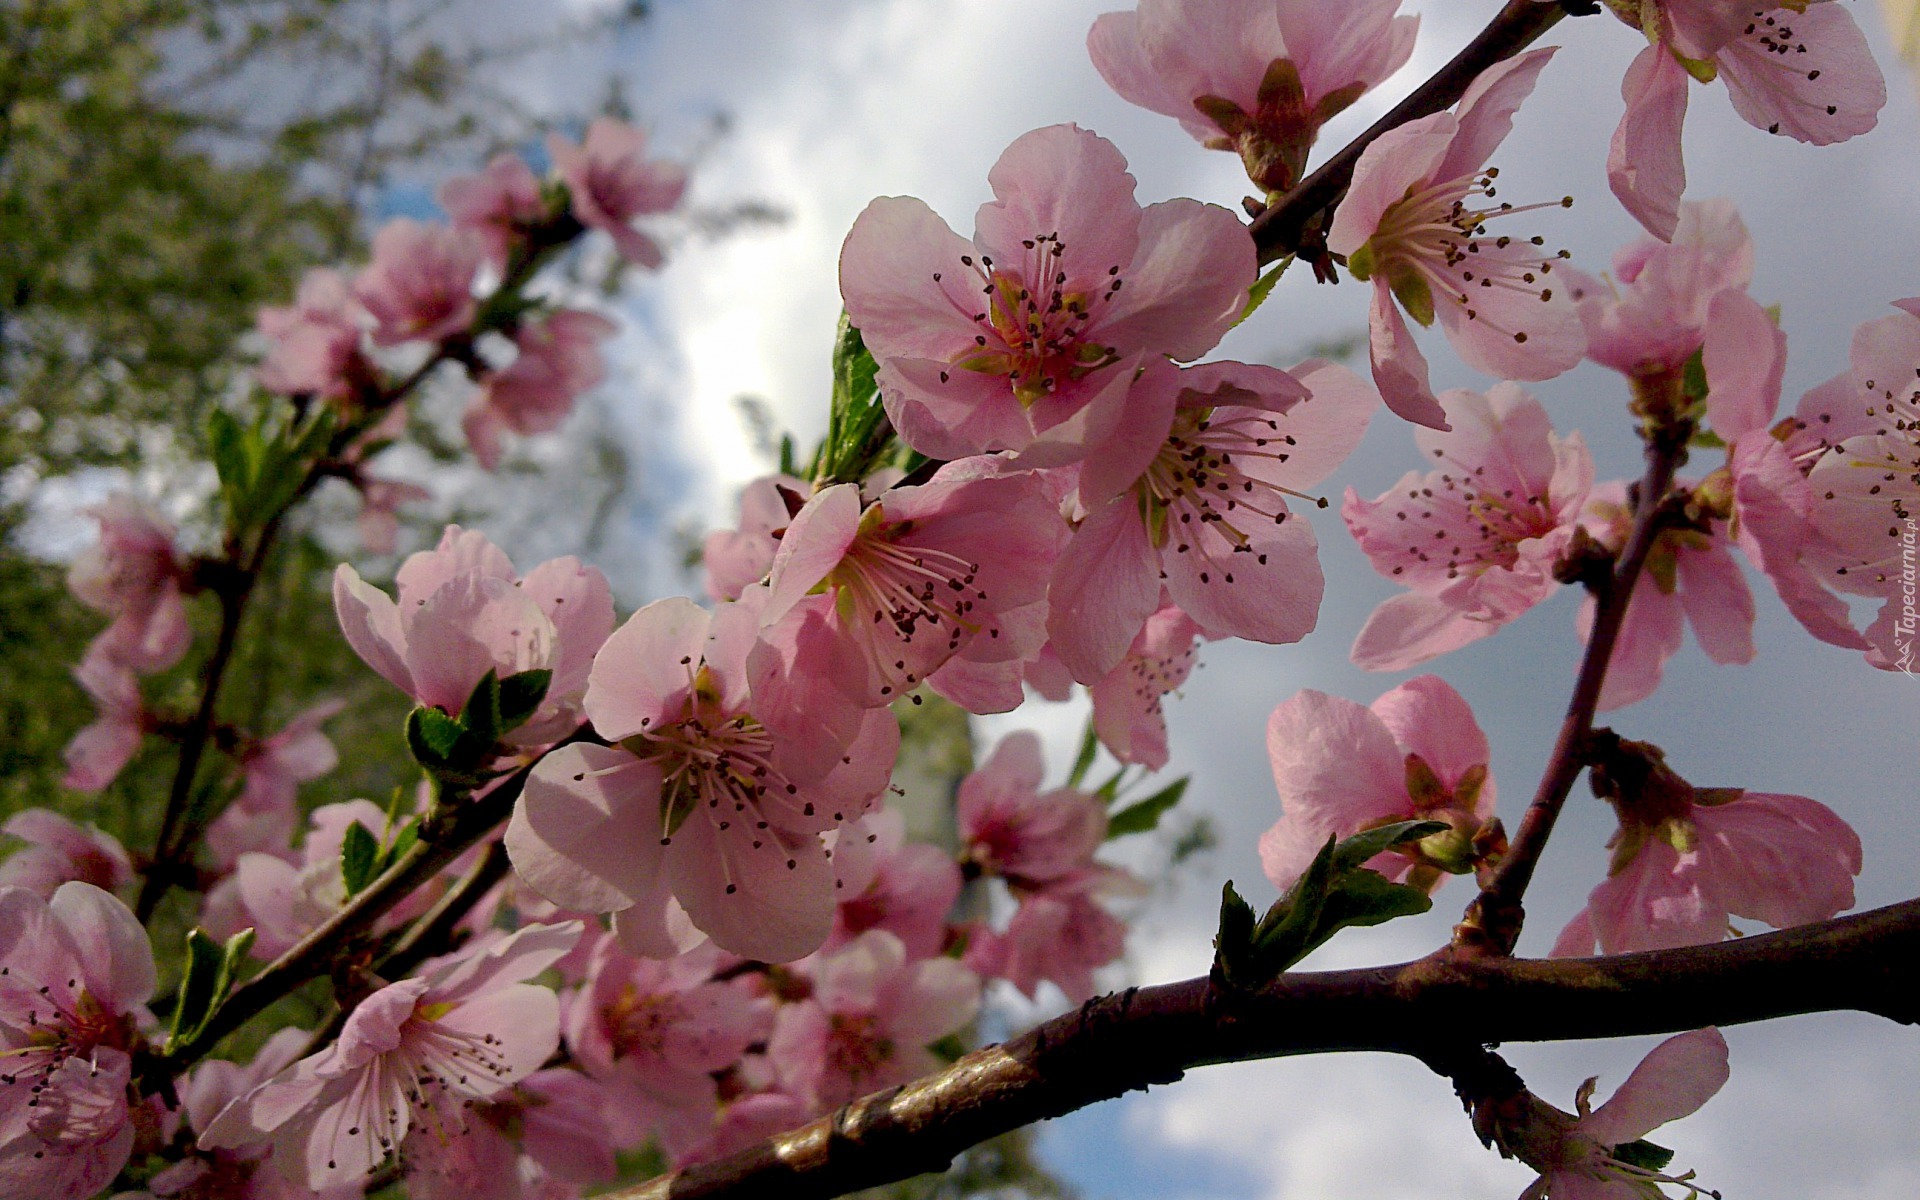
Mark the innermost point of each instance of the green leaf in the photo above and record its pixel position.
(230, 446)
(1364, 845)
(481, 715)
(520, 697)
(1693, 377)
(1706, 439)
(359, 859)
(1262, 288)
(1644, 1154)
(210, 972)
(442, 744)
(1083, 761)
(1145, 815)
(1233, 944)
(858, 434)
(403, 843)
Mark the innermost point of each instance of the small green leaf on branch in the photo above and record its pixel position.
(1144, 815)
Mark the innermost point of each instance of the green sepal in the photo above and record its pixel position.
(210, 973)
(521, 695)
(1144, 815)
(1413, 292)
(481, 715)
(1262, 288)
(1644, 1154)
(359, 859)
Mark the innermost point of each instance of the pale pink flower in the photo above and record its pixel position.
(1010, 828)
(380, 501)
(499, 204)
(77, 971)
(1255, 76)
(1681, 869)
(653, 1032)
(419, 1051)
(1691, 579)
(1060, 935)
(419, 285)
(1797, 68)
(236, 1174)
(746, 1121)
(135, 575)
(559, 359)
(867, 1024)
(98, 752)
(1574, 1152)
(1027, 338)
(1415, 222)
(1128, 716)
(58, 851)
(273, 769)
(1199, 510)
(736, 559)
(953, 568)
(710, 794)
(1474, 541)
(1416, 754)
(883, 881)
(462, 611)
(313, 344)
(544, 1138)
(611, 181)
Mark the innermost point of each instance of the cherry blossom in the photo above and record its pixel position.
(1201, 510)
(1798, 69)
(1060, 934)
(710, 793)
(1416, 754)
(98, 753)
(883, 881)
(77, 971)
(867, 1024)
(419, 285)
(136, 575)
(1128, 717)
(313, 345)
(559, 359)
(953, 568)
(462, 611)
(1010, 828)
(611, 181)
(416, 1052)
(1578, 1154)
(544, 1138)
(58, 851)
(499, 204)
(1259, 77)
(1028, 337)
(273, 768)
(1415, 221)
(736, 559)
(1476, 540)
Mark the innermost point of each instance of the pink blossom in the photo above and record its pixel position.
(1127, 713)
(653, 1033)
(1798, 69)
(1010, 828)
(746, 1121)
(544, 1138)
(1691, 579)
(1412, 222)
(953, 568)
(462, 611)
(711, 794)
(867, 1024)
(417, 1051)
(559, 359)
(236, 1174)
(1028, 337)
(1255, 76)
(500, 204)
(273, 769)
(78, 970)
(1060, 935)
(1474, 541)
(1575, 1153)
(380, 501)
(58, 851)
(98, 752)
(134, 575)
(1200, 510)
(611, 181)
(419, 285)
(736, 559)
(883, 881)
(313, 345)
(1416, 755)
(1684, 862)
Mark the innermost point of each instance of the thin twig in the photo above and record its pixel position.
(1144, 1036)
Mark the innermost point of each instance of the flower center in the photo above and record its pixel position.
(1033, 326)
(1196, 482)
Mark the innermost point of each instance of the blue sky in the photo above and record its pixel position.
(836, 101)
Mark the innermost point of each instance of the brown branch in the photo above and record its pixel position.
(1144, 1036)
(1492, 922)
(1284, 227)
